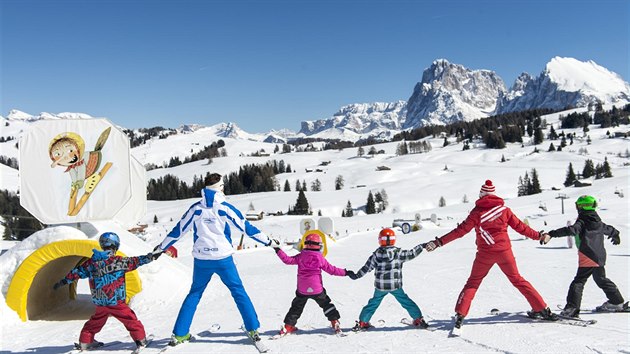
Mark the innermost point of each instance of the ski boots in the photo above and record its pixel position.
(177, 340)
(253, 334)
(545, 314)
(89, 346)
(361, 326)
(287, 329)
(570, 311)
(420, 323)
(608, 307)
(459, 321)
(335, 326)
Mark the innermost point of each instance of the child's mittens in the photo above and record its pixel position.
(615, 239)
(352, 275)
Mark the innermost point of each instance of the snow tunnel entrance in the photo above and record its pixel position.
(63, 304)
(31, 293)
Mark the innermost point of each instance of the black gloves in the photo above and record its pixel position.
(615, 239)
(60, 283)
(156, 253)
(352, 275)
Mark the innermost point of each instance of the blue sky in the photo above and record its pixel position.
(272, 64)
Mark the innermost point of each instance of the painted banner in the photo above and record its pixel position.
(74, 170)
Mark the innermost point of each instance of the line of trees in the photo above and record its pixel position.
(11, 162)
(18, 223)
(249, 179)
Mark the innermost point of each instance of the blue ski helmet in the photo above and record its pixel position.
(109, 240)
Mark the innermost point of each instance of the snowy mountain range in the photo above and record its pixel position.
(447, 93)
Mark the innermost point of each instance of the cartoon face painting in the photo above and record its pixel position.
(68, 150)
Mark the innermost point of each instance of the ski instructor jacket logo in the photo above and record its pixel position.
(211, 220)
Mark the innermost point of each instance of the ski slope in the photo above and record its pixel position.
(414, 185)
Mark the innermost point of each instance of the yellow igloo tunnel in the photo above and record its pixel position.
(41, 262)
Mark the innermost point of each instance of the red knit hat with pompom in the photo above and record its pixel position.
(487, 189)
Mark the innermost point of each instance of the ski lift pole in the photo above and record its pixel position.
(562, 197)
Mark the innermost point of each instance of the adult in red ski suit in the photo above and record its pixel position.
(490, 219)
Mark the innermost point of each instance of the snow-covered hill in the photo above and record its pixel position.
(414, 184)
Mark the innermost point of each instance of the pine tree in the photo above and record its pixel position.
(445, 142)
(339, 182)
(304, 185)
(551, 147)
(465, 199)
(502, 158)
(370, 207)
(589, 169)
(535, 185)
(384, 199)
(301, 205)
(298, 187)
(571, 178)
(607, 173)
(316, 186)
(538, 136)
(360, 151)
(287, 187)
(442, 202)
(552, 134)
(155, 219)
(349, 211)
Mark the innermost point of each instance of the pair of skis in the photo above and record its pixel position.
(563, 320)
(99, 345)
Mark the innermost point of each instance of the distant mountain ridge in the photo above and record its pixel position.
(447, 93)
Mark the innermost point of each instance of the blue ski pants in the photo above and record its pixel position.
(400, 295)
(202, 273)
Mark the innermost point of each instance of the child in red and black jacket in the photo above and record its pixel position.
(106, 272)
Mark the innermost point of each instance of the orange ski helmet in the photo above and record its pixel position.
(386, 237)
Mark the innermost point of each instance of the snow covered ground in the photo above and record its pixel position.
(414, 185)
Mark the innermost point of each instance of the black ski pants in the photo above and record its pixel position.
(298, 303)
(574, 297)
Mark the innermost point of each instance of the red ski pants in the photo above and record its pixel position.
(121, 312)
(480, 268)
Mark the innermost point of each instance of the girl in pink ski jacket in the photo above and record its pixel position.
(310, 264)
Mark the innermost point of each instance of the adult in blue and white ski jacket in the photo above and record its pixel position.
(211, 220)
